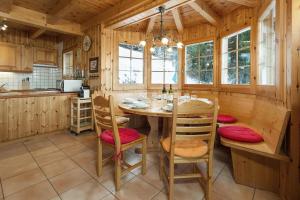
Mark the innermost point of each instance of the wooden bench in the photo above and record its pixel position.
(257, 165)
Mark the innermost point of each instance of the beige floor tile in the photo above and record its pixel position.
(50, 158)
(63, 140)
(226, 187)
(11, 150)
(136, 189)
(59, 167)
(187, 189)
(90, 190)
(152, 177)
(85, 157)
(74, 149)
(40, 191)
(22, 181)
(41, 147)
(55, 198)
(265, 195)
(16, 165)
(110, 197)
(70, 179)
(107, 178)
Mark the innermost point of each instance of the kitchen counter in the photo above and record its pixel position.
(33, 93)
(33, 112)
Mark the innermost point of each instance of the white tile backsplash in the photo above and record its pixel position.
(41, 77)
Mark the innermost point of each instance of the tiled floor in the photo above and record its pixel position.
(63, 166)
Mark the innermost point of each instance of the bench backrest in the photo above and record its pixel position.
(237, 105)
(271, 120)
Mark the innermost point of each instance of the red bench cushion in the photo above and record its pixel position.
(239, 133)
(226, 119)
(127, 135)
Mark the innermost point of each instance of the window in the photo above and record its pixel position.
(68, 64)
(164, 66)
(131, 64)
(266, 46)
(236, 58)
(199, 63)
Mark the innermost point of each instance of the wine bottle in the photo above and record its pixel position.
(164, 91)
(170, 90)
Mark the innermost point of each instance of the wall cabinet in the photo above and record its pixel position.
(45, 56)
(15, 58)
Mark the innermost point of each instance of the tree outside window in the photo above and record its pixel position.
(164, 66)
(199, 63)
(236, 58)
(131, 64)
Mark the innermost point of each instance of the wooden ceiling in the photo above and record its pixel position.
(75, 16)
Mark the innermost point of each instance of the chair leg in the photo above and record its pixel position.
(144, 157)
(209, 180)
(118, 174)
(161, 162)
(171, 180)
(99, 161)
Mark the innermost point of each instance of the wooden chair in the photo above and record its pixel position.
(121, 120)
(119, 139)
(191, 141)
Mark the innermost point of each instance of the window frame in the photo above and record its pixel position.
(159, 86)
(215, 70)
(72, 51)
(116, 84)
(271, 5)
(237, 32)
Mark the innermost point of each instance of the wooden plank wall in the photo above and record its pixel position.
(23, 38)
(22, 117)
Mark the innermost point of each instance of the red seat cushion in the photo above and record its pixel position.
(226, 119)
(239, 133)
(127, 135)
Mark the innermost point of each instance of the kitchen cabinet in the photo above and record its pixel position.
(15, 58)
(45, 56)
(10, 59)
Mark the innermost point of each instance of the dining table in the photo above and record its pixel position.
(153, 112)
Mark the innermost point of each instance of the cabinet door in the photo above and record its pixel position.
(27, 58)
(10, 59)
(45, 56)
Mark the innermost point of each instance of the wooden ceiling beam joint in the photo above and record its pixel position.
(39, 20)
(150, 25)
(37, 33)
(206, 12)
(178, 20)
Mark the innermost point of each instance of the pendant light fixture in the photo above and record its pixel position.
(162, 39)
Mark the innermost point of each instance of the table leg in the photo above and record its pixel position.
(153, 141)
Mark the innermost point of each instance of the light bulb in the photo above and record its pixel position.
(179, 45)
(152, 49)
(170, 49)
(164, 41)
(143, 43)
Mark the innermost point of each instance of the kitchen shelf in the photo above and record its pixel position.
(81, 115)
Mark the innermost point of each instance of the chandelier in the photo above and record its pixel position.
(3, 26)
(162, 39)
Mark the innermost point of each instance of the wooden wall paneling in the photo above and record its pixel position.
(290, 173)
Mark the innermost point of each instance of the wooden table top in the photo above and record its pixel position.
(154, 110)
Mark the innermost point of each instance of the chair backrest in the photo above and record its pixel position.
(104, 116)
(194, 119)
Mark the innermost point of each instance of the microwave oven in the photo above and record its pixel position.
(69, 85)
